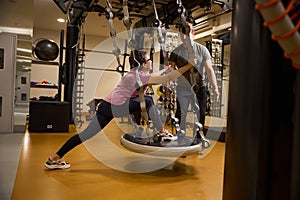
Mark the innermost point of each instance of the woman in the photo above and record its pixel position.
(122, 101)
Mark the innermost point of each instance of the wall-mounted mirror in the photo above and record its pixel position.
(22, 84)
(17, 19)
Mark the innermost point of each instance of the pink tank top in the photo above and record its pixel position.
(126, 88)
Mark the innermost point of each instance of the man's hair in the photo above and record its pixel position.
(187, 28)
(137, 57)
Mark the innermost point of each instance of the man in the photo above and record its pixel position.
(187, 86)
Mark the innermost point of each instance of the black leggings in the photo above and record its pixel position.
(105, 113)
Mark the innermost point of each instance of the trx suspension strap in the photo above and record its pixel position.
(189, 46)
(139, 82)
(143, 104)
(131, 45)
(191, 59)
(141, 91)
(126, 19)
(128, 24)
(110, 17)
(157, 23)
(182, 12)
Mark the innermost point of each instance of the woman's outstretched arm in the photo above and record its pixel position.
(156, 79)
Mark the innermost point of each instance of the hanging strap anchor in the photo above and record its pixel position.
(110, 16)
(157, 23)
(127, 22)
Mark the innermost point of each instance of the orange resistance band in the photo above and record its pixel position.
(282, 15)
(296, 66)
(293, 17)
(291, 55)
(287, 34)
(266, 5)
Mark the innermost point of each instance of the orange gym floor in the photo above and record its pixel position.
(24, 176)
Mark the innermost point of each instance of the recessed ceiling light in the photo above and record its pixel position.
(61, 20)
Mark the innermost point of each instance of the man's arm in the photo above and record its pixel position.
(212, 77)
(172, 64)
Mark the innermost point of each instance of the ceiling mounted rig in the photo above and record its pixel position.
(167, 10)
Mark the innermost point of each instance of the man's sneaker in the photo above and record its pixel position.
(164, 137)
(201, 139)
(196, 140)
(57, 164)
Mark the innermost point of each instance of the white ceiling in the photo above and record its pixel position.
(16, 13)
(43, 14)
(46, 12)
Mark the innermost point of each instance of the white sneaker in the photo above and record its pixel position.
(57, 164)
(164, 137)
